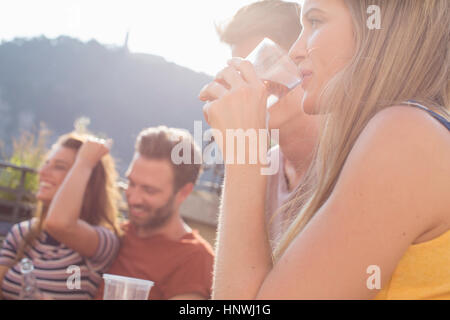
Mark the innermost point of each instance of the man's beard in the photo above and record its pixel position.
(156, 217)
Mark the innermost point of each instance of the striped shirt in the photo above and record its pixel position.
(52, 259)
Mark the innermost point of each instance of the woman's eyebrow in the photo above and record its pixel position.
(312, 10)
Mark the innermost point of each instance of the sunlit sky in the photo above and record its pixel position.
(181, 31)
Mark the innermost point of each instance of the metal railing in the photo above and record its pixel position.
(16, 202)
(18, 194)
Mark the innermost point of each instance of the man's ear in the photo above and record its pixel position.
(184, 192)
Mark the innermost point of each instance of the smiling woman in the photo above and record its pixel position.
(75, 223)
(384, 95)
(329, 27)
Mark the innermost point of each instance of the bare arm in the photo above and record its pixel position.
(378, 208)
(243, 249)
(63, 218)
(243, 255)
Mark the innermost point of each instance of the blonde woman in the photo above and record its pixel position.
(75, 226)
(380, 203)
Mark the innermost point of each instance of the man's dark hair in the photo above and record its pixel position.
(157, 143)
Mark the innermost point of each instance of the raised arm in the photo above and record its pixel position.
(243, 256)
(63, 218)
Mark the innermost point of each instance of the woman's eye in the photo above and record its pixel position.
(314, 22)
(45, 164)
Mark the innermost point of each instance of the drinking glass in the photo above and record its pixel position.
(274, 66)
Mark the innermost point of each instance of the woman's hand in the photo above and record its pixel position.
(63, 220)
(235, 100)
(92, 151)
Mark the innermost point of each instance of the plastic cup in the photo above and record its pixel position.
(125, 288)
(273, 64)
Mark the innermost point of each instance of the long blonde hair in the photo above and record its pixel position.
(408, 58)
(100, 202)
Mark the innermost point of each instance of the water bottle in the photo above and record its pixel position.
(29, 289)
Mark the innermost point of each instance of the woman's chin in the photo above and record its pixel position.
(42, 197)
(309, 104)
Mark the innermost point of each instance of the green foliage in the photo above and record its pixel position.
(28, 151)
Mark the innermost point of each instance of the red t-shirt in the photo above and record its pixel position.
(176, 267)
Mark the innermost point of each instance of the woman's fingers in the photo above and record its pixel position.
(231, 76)
(93, 150)
(227, 79)
(100, 144)
(212, 91)
(206, 109)
(246, 69)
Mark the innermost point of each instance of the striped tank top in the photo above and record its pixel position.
(424, 270)
(53, 264)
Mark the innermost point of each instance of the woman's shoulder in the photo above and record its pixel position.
(405, 131)
(406, 118)
(397, 173)
(406, 147)
(20, 229)
(407, 135)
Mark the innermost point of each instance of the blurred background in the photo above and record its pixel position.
(125, 65)
(113, 66)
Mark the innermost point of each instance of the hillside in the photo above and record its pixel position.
(55, 81)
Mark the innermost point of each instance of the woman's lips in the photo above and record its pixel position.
(306, 76)
(44, 185)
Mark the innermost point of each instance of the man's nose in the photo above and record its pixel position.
(133, 197)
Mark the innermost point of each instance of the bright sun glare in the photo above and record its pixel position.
(180, 31)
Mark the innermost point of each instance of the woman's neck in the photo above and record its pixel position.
(297, 141)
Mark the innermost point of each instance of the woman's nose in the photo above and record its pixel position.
(298, 50)
(43, 170)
